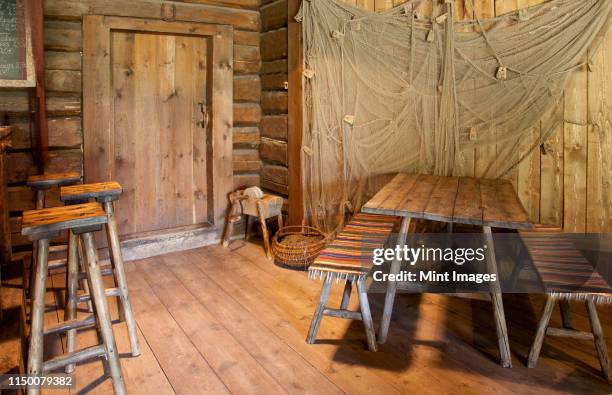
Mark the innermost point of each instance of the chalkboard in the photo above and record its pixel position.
(16, 68)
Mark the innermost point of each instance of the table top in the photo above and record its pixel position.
(466, 200)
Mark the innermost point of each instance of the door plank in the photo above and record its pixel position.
(124, 96)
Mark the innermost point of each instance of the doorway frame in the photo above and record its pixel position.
(98, 110)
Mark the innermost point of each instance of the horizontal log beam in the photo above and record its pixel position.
(75, 9)
(246, 160)
(246, 114)
(246, 136)
(273, 151)
(276, 81)
(274, 126)
(245, 180)
(274, 102)
(63, 80)
(275, 173)
(247, 88)
(274, 187)
(20, 165)
(273, 15)
(247, 4)
(63, 132)
(274, 66)
(56, 60)
(274, 45)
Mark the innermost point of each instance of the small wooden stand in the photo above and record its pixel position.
(263, 208)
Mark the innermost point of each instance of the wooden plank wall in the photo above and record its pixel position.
(273, 147)
(561, 184)
(63, 45)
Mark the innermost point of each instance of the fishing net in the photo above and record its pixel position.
(397, 91)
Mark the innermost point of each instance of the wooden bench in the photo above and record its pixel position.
(566, 275)
(349, 258)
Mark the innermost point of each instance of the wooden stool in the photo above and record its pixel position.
(263, 208)
(106, 193)
(40, 184)
(81, 221)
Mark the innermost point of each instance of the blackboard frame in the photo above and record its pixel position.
(30, 80)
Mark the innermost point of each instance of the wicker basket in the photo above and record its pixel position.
(296, 247)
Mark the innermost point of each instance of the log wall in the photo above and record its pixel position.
(63, 45)
(560, 185)
(273, 147)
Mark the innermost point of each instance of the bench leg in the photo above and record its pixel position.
(346, 295)
(72, 278)
(534, 354)
(498, 304)
(35, 353)
(318, 314)
(392, 286)
(598, 338)
(366, 315)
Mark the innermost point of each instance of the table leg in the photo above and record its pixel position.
(498, 304)
(392, 285)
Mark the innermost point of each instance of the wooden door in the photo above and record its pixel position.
(157, 119)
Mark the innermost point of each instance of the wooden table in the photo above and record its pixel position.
(466, 200)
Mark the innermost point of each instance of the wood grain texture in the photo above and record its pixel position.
(60, 218)
(91, 191)
(242, 18)
(49, 179)
(466, 200)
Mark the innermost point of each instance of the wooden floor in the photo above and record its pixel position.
(216, 320)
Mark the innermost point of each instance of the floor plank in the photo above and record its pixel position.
(216, 320)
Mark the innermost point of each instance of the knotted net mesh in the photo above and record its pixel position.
(396, 91)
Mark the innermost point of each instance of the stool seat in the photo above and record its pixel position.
(45, 181)
(50, 220)
(100, 191)
(267, 206)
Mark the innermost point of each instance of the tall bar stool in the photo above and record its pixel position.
(81, 221)
(106, 193)
(40, 184)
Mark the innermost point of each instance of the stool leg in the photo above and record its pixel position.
(85, 280)
(598, 338)
(534, 354)
(35, 353)
(247, 228)
(264, 231)
(346, 295)
(72, 276)
(566, 314)
(318, 314)
(102, 314)
(113, 241)
(366, 315)
(40, 203)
